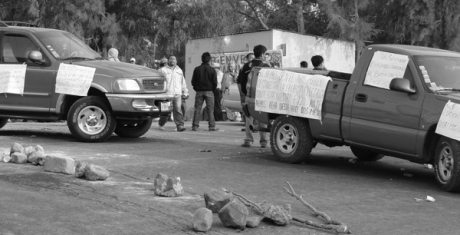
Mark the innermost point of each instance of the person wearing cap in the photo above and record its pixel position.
(132, 60)
(176, 85)
(163, 62)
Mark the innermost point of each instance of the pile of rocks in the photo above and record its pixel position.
(232, 213)
(58, 164)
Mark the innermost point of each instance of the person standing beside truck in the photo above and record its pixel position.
(304, 64)
(259, 53)
(113, 54)
(204, 82)
(176, 85)
(318, 62)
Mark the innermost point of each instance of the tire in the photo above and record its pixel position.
(291, 139)
(3, 122)
(90, 119)
(447, 164)
(133, 130)
(366, 155)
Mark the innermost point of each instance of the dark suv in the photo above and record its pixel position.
(123, 98)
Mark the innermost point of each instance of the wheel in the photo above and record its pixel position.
(90, 119)
(291, 139)
(133, 130)
(366, 155)
(447, 164)
(3, 122)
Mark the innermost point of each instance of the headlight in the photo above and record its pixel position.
(126, 85)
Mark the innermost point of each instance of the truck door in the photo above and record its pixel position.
(39, 80)
(386, 119)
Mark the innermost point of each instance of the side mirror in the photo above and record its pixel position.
(401, 84)
(36, 57)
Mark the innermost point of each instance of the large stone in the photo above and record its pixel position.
(80, 169)
(95, 172)
(36, 157)
(202, 220)
(234, 215)
(60, 164)
(160, 183)
(39, 148)
(280, 215)
(253, 221)
(6, 158)
(29, 150)
(16, 148)
(18, 157)
(216, 199)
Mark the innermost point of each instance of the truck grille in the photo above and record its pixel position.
(153, 84)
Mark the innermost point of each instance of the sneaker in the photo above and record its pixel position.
(194, 128)
(246, 145)
(161, 128)
(264, 145)
(181, 128)
(213, 129)
(243, 129)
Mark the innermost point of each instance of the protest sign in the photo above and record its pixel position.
(272, 57)
(449, 124)
(12, 77)
(384, 67)
(74, 79)
(290, 93)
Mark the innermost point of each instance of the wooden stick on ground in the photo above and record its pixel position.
(330, 225)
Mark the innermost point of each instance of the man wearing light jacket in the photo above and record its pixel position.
(176, 85)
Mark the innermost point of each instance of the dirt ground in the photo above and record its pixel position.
(371, 198)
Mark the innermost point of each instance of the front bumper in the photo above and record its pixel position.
(138, 106)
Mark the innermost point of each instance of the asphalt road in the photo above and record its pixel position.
(371, 198)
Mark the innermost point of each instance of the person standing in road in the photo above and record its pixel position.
(204, 82)
(132, 60)
(229, 77)
(113, 54)
(259, 53)
(304, 64)
(318, 62)
(218, 93)
(175, 83)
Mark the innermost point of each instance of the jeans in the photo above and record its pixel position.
(249, 138)
(217, 105)
(177, 113)
(200, 97)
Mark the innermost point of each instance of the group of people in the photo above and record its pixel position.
(317, 61)
(209, 84)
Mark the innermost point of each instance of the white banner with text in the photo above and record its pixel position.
(449, 124)
(74, 79)
(384, 67)
(290, 93)
(12, 77)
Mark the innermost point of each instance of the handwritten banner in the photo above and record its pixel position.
(12, 77)
(238, 59)
(449, 124)
(74, 79)
(290, 93)
(384, 67)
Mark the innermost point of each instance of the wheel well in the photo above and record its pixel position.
(429, 147)
(69, 100)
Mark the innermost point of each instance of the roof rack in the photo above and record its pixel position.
(17, 23)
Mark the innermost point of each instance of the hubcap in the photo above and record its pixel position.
(446, 163)
(287, 138)
(92, 120)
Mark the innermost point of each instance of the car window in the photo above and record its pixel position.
(16, 48)
(64, 45)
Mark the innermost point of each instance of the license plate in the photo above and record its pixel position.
(165, 106)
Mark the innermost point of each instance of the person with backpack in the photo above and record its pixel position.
(259, 53)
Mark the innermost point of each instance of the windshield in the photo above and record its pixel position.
(63, 45)
(440, 72)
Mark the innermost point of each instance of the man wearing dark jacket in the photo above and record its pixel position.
(204, 82)
(259, 53)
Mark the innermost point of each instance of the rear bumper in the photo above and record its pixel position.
(138, 106)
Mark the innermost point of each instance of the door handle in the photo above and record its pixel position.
(361, 98)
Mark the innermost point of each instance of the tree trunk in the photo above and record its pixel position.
(300, 20)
